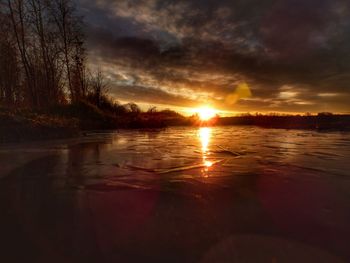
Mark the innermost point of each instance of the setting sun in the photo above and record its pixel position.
(206, 113)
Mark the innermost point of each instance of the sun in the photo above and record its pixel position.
(206, 113)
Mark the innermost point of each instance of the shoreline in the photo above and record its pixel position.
(73, 121)
(10, 137)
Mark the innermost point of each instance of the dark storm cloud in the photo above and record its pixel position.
(151, 95)
(198, 51)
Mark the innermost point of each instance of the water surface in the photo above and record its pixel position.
(178, 195)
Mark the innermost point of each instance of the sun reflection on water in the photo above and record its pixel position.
(205, 135)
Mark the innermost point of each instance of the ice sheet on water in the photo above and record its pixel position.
(217, 151)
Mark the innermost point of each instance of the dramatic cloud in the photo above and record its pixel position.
(293, 54)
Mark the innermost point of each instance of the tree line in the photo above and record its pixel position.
(42, 54)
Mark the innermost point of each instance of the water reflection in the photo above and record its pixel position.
(111, 195)
(205, 135)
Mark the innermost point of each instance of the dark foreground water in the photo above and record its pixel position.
(231, 194)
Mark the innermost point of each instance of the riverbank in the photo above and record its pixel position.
(320, 122)
(17, 126)
(73, 120)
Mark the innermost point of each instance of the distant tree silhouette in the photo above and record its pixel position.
(324, 114)
(152, 109)
(133, 108)
(97, 87)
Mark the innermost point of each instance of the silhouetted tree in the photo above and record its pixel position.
(133, 108)
(152, 109)
(98, 86)
(10, 92)
(43, 54)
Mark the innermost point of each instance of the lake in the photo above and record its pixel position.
(210, 194)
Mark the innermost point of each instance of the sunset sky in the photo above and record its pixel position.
(235, 56)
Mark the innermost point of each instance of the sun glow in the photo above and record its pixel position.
(206, 113)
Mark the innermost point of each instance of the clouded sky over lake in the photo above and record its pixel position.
(294, 55)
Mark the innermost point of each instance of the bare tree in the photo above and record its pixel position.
(17, 16)
(70, 33)
(98, 86)
(9, 71)
(43, 53)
